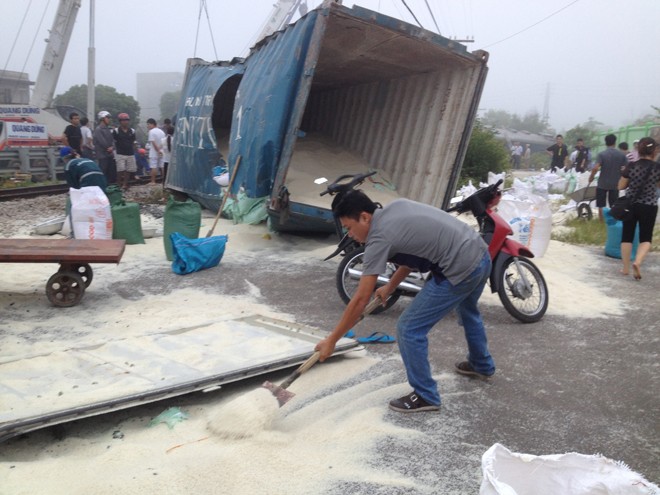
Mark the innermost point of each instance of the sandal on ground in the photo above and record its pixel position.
(377, 338)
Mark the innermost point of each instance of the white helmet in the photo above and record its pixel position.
(103, 114)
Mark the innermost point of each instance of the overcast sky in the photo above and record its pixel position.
(595, 58)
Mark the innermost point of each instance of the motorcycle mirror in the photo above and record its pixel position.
(320, 180)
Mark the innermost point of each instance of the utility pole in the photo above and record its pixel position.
(91, 69)
(546, 104)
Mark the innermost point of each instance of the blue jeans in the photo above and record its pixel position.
(434, 301)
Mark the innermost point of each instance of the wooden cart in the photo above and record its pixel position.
(67, 286)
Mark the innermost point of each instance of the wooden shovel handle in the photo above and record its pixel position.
(231, 183)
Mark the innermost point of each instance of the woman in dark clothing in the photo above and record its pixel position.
(645, 208)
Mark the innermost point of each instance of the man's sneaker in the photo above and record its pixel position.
(412, 403)
(465, 368)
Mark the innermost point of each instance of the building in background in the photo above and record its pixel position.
(15, 87)
(151, 86)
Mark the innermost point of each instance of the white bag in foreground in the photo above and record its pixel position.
(90, 213)
(509, 473)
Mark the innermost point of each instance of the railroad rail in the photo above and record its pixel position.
(12, 193)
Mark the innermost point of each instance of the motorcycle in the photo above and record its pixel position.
(518, 282)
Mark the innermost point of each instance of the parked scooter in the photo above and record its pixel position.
(518, 282)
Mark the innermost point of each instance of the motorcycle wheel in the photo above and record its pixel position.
(528, 306)
(347, 284)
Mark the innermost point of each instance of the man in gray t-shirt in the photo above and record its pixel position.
(416, 236)
(610, 163)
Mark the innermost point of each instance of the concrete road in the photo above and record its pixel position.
(562, 385)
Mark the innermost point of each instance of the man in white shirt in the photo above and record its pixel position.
(87, 146)
(155, 138)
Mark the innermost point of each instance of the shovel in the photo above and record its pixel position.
(280, 391)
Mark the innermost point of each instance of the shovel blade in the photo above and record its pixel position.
(281, 394)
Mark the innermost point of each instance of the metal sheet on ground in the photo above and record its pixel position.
(77, 382)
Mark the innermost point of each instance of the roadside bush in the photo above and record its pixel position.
(484, 154)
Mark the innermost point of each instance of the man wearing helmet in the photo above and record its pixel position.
(104, 146)
(125, 144)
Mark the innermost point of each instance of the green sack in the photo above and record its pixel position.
(126, 223)
(115, 195)
(184, 217)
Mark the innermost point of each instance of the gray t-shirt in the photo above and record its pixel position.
(611, 160)
(423, 237)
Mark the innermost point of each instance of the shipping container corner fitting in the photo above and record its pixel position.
(401, 97)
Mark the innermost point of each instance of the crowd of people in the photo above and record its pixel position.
(115, 151)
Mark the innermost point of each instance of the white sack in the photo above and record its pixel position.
(222, 180)
(467, 190)
(493, 178)
(90, 213)
(530, 220)
(509, 473)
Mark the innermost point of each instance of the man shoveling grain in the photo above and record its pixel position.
(418, 236)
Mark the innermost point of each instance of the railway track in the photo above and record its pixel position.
(13, 193)
(32, 192)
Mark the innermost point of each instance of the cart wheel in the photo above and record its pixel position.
(584, 211)
(82, 269)
(65, 289)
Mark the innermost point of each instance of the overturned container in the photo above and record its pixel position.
(341, 91)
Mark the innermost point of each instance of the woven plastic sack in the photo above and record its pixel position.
(126, 222)
(184, 217)
(251, 211)
(509, 473)
(193, 255)
(114, 194)
(90, 213)
(530, 220)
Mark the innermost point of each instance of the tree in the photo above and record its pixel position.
(485, 154)
(531, 122)
(107, 98)
(587, 131)
(169, 104)
(501, 119)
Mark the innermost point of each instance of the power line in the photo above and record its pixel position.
(208, 20)
(199, 20)
(432, 16)
(17, 35)
(412, 14)
(36, 33)
(535, 24)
